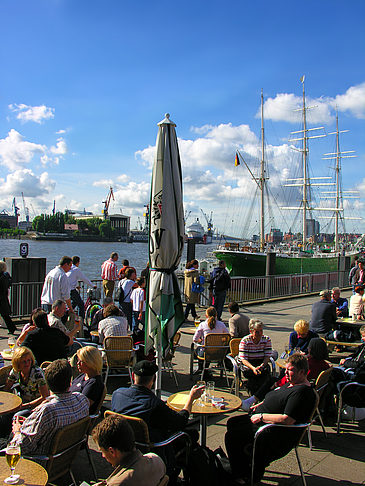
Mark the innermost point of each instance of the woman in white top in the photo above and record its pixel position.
(357, 303)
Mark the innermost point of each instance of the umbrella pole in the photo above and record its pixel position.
(158, 347)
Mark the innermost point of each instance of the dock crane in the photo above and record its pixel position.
(26, 210)
(209, 222)
(107, 202)
(186, 215)
(15, 207)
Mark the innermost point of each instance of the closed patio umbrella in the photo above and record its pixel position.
(166, 241)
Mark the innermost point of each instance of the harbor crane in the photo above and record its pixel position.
(107, 202)
(209, 222)
(26, 210)
(186, 215)
(15, 208)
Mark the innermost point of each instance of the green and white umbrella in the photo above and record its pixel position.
(166, 241)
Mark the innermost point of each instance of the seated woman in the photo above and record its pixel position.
(211, 324)
(357, 303)
(89, 382)
(301, 336)
(317, 355)
(27, 379)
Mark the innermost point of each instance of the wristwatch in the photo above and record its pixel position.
(261, 417)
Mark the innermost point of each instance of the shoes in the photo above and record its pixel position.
(247, 404)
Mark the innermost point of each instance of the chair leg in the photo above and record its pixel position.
(91, 461)
(309, 438)
(225, 373)
(339, 414)
(174, 374)
(300, 467)
(73, 478)
(106, 375)
(322, 424)
(202, 375)
(130, 374)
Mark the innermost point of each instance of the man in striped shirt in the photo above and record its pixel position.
(255, 351)
(109, 274)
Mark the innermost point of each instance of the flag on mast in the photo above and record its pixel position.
(236, 160)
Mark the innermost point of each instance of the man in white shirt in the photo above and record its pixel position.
(138, 299)
(56, 286)
(74, 276)
(127, 284)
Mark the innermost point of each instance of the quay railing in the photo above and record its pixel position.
(25, 296)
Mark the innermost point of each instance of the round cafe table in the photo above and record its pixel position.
(30, 472)
(231, 403)
(9, 402)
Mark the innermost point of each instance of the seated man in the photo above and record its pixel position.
(324, 317)
(113, 323)
(36, 432)
(238, 322)
(115, 439)
(47, 343)
(55, 321)
(342, 306)
(292, 403)
(254, 355)
(140, 401)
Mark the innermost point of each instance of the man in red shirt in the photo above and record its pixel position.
(109, 274)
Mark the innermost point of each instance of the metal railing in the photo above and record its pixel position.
(25, 296)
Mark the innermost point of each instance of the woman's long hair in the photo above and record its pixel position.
(211, 314)
(191, 264)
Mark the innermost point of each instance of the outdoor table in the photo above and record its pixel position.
(188, 330)
(231, 402)
(7, 354)
(348, 322)
(9, 403)
(31, 473)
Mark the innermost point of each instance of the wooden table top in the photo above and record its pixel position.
(7, 354)
(188, 330)
(9, 402)
(348, 322)
(231, 402)
(30, 472)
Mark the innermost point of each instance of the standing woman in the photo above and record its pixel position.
(5, 309)
(191, 275)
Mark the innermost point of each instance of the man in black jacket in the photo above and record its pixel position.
(323, 315)
(219, 283)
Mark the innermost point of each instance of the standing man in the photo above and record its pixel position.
(323, 315)
(109, 274)
(56, 286)
(238, 322)
(74, 276)
(352, 272)
(127, 285)
(360, 273)
(219, 283)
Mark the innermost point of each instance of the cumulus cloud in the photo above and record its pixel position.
(24, 180)
(353, 101)
(104, 183)
(36, 114)
(16, 152)
(60, 148)
(132, 194)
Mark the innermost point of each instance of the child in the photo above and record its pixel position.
(138, 300)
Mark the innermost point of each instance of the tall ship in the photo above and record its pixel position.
(285, 259)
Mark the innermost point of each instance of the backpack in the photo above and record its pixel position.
(205, 469)
(120, 296)
(198, 287)
(221, 280)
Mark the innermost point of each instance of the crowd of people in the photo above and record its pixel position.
(52, 397)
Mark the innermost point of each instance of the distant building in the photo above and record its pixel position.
(25, 225)
(71, 227)
(312, 227)
(12, 220)
(120, 223)
(289, 236)
(275, 236)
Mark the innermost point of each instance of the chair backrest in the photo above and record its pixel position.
(164, 481)
(4, 373)
(45, 364)
(118, 350)
(140, 430)
(101, 401)
(176, 339)
(234, 346)
(171, 352)
(322, 381)
(64, 447)
(353, 394)
(216, 346)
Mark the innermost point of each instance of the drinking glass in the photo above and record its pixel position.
(209, 391)
(11, 343)
(196, 322)
(287, 350)
(12, 454)
(199, 402)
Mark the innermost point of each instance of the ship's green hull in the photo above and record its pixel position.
(254, 264)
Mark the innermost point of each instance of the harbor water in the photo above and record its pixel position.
(92, 254)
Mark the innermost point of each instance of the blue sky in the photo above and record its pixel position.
(84, 83)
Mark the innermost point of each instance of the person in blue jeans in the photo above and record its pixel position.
(219, 283)
(138, 299)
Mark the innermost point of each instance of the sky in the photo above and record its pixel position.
(84, 83)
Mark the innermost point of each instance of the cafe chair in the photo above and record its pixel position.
(63, 449)
(167, 360)
(45, 364)
(119, 352)
(4, 374)
(144, 444)
(93, 418)
(234, 348)
(268, 437)
(351, 394)
(164, 481)
(216, 347)
(320, 387)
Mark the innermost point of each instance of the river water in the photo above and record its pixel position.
(92, 254)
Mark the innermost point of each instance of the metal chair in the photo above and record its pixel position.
(320, 386)
(270, 434)
(63, 449)
(45, 364)
(4, 374)
(216, 347)
(234, 348)
(167, 360)
(352, 394)
(119, 353)
(164, 481)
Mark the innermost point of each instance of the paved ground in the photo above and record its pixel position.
(335, 460)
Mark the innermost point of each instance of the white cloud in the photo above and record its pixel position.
(132, 195)
(123, 178)
(104, 183)
(353, 101)
(16, 152)
(28, 113)
(60, 132)
(24, 180)
(60, 148)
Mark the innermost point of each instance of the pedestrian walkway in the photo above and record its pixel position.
(335, 460)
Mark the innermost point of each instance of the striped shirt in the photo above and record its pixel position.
(109, 270)
(55, 412)
(250, 351)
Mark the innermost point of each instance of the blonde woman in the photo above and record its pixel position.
(89, 382)
(301, 336)
(27, 379)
